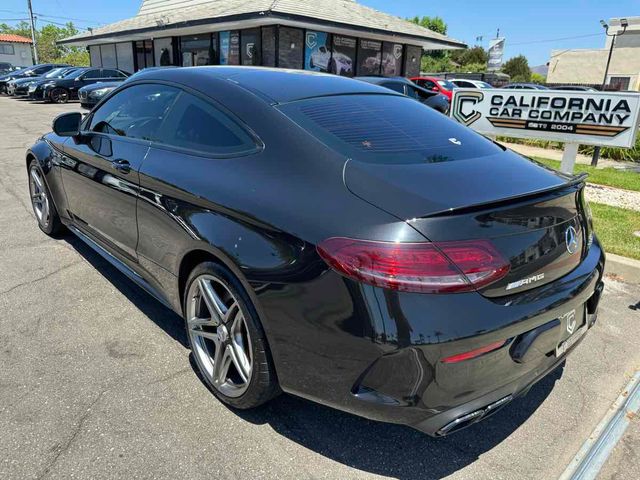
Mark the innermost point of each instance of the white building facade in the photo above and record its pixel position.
(16, 50)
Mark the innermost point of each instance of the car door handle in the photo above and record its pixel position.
(121, 165)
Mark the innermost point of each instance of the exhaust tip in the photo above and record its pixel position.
(473, 417)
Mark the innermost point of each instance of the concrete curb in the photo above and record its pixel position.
(623, 268)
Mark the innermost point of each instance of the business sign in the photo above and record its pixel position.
(588, 118)
(496, 52)
(317, 51)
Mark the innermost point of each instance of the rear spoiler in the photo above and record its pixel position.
(576, 181)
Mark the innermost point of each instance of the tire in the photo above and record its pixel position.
(233, 338)
(42, 202)
(59, 95)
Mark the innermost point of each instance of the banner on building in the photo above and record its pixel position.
(588, 118)
(496, 52)
(317, 51)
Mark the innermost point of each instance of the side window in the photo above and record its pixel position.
(464, 84)
(92, 74)
(395, 86)
(197, 125)
(108, 73)
(412, 92)
(136, 112)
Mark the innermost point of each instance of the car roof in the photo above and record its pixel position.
(378, 80)
(277, 85)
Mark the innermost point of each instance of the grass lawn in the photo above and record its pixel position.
(602, 176)
(614, 227)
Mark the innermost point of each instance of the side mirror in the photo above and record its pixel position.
(67, 124)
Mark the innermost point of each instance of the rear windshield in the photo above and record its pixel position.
(387, 129)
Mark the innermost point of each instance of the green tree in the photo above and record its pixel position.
(475, 55)
(435, 24)
(537, 78)
(22, 29)
(46, 39)
(518, 69)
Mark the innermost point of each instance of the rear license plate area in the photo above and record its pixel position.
(573, 327)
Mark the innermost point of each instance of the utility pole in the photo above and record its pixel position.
(33, 32)
(624, 23)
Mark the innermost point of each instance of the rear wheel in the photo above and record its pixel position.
(43, 206)
(59, 95)
(227, 338)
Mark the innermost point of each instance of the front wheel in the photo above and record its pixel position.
(59, 95)
(227, 339)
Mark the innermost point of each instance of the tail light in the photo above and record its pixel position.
(442, 267)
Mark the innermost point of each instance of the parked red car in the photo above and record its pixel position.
(445, 87)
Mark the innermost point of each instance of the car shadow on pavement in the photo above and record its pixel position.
(166, 319)
(384, 449)
(394, 450)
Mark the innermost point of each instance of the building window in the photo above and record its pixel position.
(230, 48)
(343, 56)
(317, 51)
(144, 54)
(124, 54)
(7, 49)
(94, 56)
(392, 59)
(369, 57)
(269, 46)
(412, 61)
(196, 50)
(290, 47)
(108, 55)
(619, 83)
(251, 50)
(163, 51)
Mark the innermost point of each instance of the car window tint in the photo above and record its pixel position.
(91, 74)
(195, 124)
(387, 129)
(136, 112)
(395, 86)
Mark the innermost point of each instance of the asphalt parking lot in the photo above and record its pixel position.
(96, 381)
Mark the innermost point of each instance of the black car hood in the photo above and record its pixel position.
(418, 190)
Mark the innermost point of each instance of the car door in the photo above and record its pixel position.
(100, 174)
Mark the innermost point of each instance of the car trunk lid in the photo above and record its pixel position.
(532, 215)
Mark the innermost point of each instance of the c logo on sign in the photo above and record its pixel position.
(466, 101)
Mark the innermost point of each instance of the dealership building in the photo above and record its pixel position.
(336, 36)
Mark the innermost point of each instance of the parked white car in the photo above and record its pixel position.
(467, 83)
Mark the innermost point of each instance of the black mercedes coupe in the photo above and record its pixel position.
(329, 238)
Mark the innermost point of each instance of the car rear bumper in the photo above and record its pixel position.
(378, 353)
(412, 385)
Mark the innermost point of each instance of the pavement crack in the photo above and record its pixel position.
(63, 447)
(39, 279)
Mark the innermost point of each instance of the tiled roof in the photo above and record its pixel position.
(155, 14)
(10, 37)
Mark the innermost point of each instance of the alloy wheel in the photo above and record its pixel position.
(219, 335)
(59, 95)
(39, 197)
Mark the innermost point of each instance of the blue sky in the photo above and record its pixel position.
(527, 25)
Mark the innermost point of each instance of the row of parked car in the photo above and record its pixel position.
(61, 83)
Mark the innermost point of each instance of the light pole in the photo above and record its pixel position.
(624, 23)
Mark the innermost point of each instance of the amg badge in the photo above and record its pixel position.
(525, 281)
